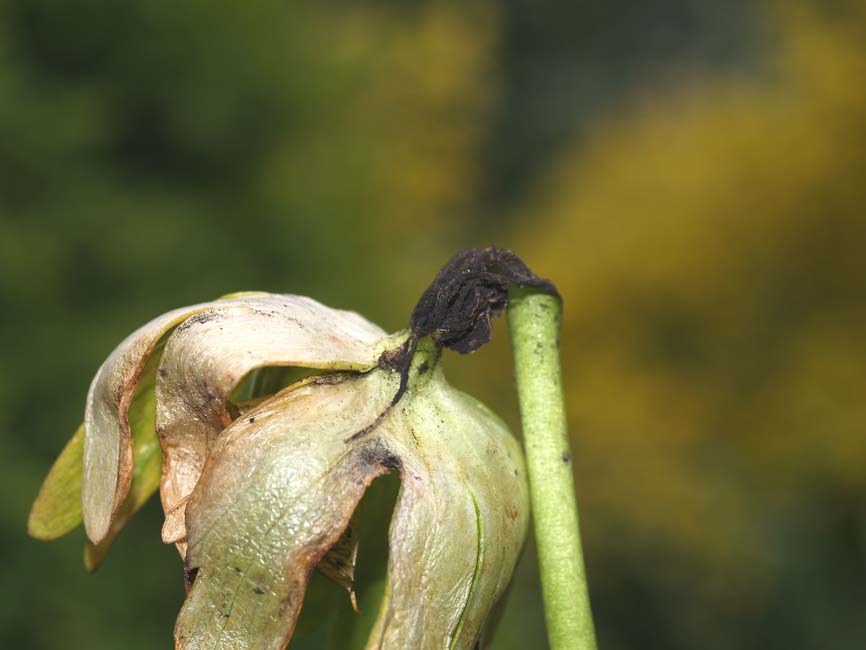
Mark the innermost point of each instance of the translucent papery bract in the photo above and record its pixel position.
(329, 338)
(281, 485)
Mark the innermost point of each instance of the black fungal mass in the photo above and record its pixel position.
(470, 290)
(457, 308)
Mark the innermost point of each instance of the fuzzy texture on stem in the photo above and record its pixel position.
(534, 323)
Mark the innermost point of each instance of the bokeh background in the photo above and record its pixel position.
(691, 173)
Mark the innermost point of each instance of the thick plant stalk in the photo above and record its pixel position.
(534, 323)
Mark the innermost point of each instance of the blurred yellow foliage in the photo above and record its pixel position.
(711, 251)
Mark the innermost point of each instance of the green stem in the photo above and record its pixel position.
(534, 322)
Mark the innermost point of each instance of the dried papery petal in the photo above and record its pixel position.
(108, 457)
(460, 520)
(275, 495)
(108, 454)
(208, 355)
(57, 509)
(280, 486)
(147, 462)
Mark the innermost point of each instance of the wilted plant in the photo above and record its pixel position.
(263, 419)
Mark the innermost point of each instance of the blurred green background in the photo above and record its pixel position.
(691, 173)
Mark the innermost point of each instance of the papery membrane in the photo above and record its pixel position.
(459, 525)
(108, 452)
(280, 486)
(210, 353)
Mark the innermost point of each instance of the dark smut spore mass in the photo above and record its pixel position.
(470, 290)
(457, 308)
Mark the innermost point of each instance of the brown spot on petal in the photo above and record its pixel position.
(380, 456)
(391, 359)
(189, 576)
(199, 319)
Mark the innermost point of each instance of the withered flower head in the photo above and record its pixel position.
(259, 480)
